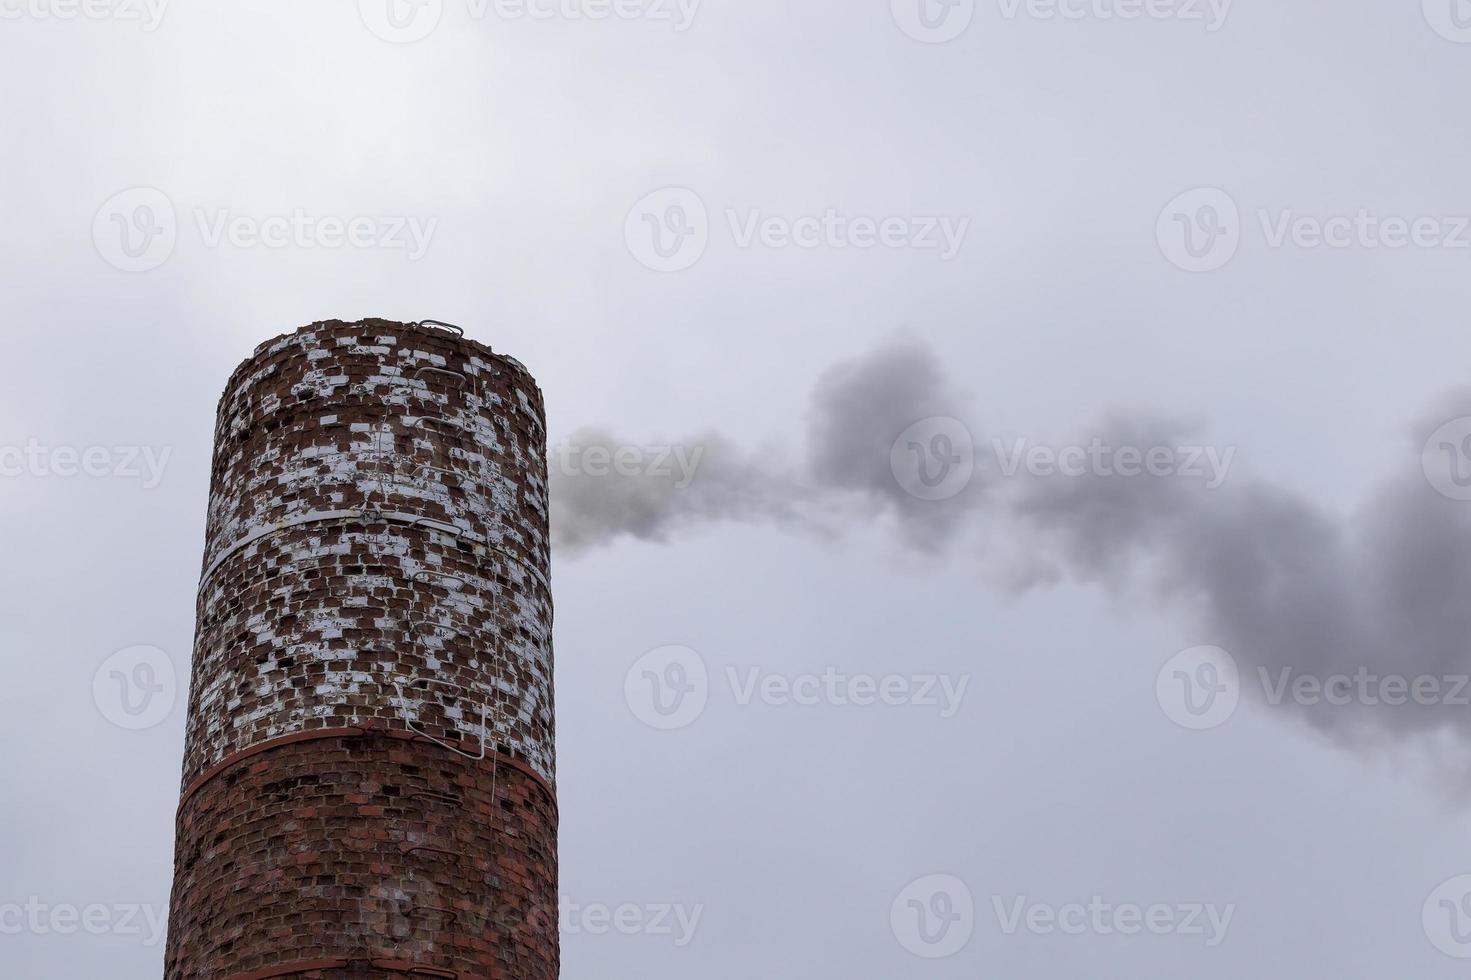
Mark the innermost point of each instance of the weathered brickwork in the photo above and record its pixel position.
(369, 768)
(367, 848)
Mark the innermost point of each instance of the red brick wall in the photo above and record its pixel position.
(374, 617)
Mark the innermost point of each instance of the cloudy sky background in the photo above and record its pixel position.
(528, 142)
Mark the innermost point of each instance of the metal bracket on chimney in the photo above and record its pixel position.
(398, 686)
(408, 847)
(431, 369)
(440, 324)
(429, 794)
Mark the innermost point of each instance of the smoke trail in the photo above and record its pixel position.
(858, 409)
(1289, 588)
(604, 488)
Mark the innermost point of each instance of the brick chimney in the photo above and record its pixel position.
(369, 772)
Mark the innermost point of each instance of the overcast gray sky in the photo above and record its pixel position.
(775, 236)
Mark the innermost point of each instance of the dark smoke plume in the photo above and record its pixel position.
(659, 490)
(1288, 587)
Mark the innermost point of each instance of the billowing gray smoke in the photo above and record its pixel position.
(1290, 589)
(604, 488)
(657, 489)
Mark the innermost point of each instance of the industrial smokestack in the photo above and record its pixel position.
(369, 773)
